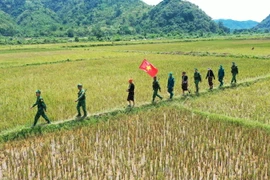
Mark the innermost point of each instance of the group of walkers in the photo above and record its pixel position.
(41, 106)
(197, 79)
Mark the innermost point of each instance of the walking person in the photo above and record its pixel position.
(221, 74)
(130, 90)
(156, 88)
(170, 85)
(185, 83)
(197, 80)
(234, 71)
(81, 101)
(210, 76)
(41, 108)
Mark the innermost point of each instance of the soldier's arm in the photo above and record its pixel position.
(83, 92)
(43, 104)
(34, 104)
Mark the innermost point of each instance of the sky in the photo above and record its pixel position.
(240, 10)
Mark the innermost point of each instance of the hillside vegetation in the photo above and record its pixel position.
(102, 18)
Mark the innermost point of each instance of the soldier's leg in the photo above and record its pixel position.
(221, 82)
(78, 109)
(233, 78)
(171, 94)
(160, 97)
(211, 84)
(154, 95)
(45, 117)
(36, 118)
(84, 108)
(197, 86)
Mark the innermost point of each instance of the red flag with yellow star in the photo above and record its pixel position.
(148, 68)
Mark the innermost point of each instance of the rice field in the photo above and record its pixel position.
(247, 102)
(104, 72)
(167, 140)
(161, 143)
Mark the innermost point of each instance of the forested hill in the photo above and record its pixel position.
(180, 16)
(265, 24)
(233, 24)
(101, 18)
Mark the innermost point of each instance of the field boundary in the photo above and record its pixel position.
(201, 54)
(23, 132)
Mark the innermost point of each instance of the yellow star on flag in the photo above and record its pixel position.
(148, 68)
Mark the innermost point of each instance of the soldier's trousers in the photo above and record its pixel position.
(210, 82)
(81, 104)
(197, 86)
(170, 90)
(155, 94)
(221, 81)
(233, 78)
(41, 113)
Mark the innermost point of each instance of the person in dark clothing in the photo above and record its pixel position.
(130, 90)
(185, 83)
(170, 85)
(210, 76)
(156, 88)
(41, 107)
(197, 79)
(221, 74)
(234, 71)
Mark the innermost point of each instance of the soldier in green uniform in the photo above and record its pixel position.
(197, 79)
(41, 106)
(81, 101)
(156, 88)
(170, 85)
(221, 74)
(234, 71)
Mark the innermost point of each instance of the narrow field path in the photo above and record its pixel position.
(22, 132)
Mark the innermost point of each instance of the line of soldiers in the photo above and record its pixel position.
(81, 103)
(197, 79)
(41, 106)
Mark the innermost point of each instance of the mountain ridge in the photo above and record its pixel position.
(61, 18)
(235, 24)
(265, 24)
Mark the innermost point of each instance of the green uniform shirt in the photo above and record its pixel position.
(81, 95)
(40, 104)
(197, 77)
(156, 85)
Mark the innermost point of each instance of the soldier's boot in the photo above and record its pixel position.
(171, 95)
(48, 121)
